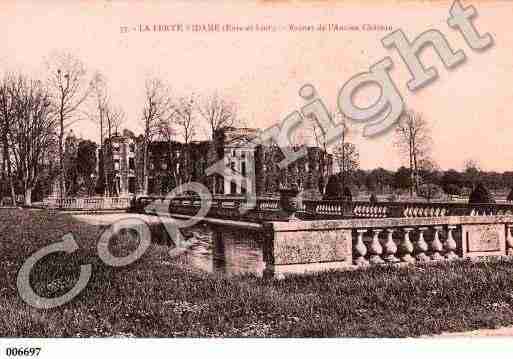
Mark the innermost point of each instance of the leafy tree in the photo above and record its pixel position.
(359, 178)
(333, 189)
(430, 191)
(370, 182)
(472, 172)
(450, 180)
(452, 189)
(379, 179)
(402, 178)
(507, 179)
(80, 166)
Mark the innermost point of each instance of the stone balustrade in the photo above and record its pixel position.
(321, 237)
(406, 244)
(305, 246)
(233, 208)
(268, 209)
(367, 210)
(343, 209)
(89, 203)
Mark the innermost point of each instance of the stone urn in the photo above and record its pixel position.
(289, 201)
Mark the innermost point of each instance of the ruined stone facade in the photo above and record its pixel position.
(173, 163)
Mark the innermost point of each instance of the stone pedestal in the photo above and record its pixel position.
(305, 250)
(479, 240)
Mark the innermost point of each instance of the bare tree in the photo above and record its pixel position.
(348, 159)
(67, 81)
(109, 118)
(115, 118)
(413, 139)
(168, 133)
(158, 109)
(32, 131)
(472, 171)
(99, 88)
(185, 118)
(472, 163)
(217, 113)
(345, 154)
(6, 121)
(181, 123)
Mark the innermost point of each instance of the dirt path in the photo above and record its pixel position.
(499, 332)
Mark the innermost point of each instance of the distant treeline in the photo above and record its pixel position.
(451, 181)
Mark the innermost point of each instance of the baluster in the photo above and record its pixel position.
(509, 240)
(390, 248)
(406, 247)
(436, 245)
(421, 247)
(375, 248)
(360, 249)
(450, 244)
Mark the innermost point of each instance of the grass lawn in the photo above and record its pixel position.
(158, 297)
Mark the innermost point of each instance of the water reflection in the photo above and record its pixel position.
(215, 248)
(225, 250)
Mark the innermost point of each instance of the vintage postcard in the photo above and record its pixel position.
(254, 169)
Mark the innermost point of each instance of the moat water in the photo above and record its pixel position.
(235, 252)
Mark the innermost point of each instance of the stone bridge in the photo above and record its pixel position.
(323, 235)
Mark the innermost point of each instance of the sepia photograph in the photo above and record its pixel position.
(175, 171)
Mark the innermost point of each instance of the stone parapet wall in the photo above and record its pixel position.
(312, 246)
(333, 209)
(89, 203)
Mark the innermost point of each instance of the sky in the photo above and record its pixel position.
(466, 108)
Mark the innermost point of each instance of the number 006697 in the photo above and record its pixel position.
(22, 352)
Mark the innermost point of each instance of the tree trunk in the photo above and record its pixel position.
(104, 168)
(411, 168)
(343, 163)
(13, 193)
(28, 196)
(11, 182)
(145, 170)
(61, 162)
(112, 183)
(415, 173)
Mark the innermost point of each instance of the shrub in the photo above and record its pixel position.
(453, 189)
(510, 196)
(481, 195)
(348, 194)
(333, 188)
(429, 191)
